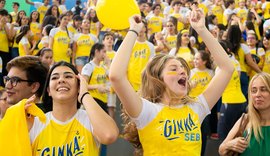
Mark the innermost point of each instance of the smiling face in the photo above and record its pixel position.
(185, 39)
(260, 94)
(266, 43)
(63, 85)
(175, 77)
(198, 62)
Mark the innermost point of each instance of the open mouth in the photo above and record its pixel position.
(182, 82)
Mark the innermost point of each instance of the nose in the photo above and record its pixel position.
(61, 79)
(8, 85)
(258, 93)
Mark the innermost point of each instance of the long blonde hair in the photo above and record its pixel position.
(153, 89)
(253, 114)
(153, 86)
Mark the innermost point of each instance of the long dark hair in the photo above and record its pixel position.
(178, 43)
(46, 99)
(31, 18)
(23, 31)
(234, 37)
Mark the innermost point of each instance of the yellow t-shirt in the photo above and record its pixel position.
(94, 28)
(42, 11)
(36, 30)
(201, 78)
(233, 93)
(242, 51)
(266, 67)
(204, 8)
(266, 14)
(242, 14)
(23, 41)
(84, 44)
(154, 24)
(74, 137)
(3, 41)
(61, 42)
(171, 131)
(185, 53)
(44, 40)
(180, 25)
(171, 40)
(260, 52)
(218, 11)
(98, 75)
(141, 53)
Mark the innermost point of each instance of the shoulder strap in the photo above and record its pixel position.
(243, 124)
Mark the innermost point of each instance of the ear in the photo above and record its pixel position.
(35, 86)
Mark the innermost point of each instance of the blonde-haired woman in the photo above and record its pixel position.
(256, 135)
(167, 120)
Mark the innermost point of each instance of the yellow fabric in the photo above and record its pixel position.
(61, 42)
(65, 139)
(218, 11)
(21, 49)
(36, 30)
(204, 8)
(42, 11)
(173, 132)
(257, 30)
(185, 53)
(3, 41)
(93, 28)
(266, 67)
(251, 72)
(201, 79)
(15, 45)
(99, 76)
(241, 59)
(84, 45)
(138, 60)
(43, 39)
(233, 94)
(180, 25)
(171, 40)
(71, 29)
(242, 14)
(155, 24)
(266, 14)
(15, 140)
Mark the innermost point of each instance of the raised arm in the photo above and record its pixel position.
(104, 127)
(29, 2)
(221, 78)
(118, 72)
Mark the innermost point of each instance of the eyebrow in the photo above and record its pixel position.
(65, 73)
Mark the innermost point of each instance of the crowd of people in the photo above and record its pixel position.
(181, 67)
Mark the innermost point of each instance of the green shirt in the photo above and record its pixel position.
(261, 148)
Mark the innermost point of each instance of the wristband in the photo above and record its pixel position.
(134, 31)
(83, 96)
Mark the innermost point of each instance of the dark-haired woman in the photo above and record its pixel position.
(96, 74)
(22, 40)
(60, 40)
(68, 129)
(266, 45)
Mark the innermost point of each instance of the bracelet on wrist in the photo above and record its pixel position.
(132, 30)
(81, 101)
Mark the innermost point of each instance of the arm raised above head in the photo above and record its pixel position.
(215, 88)
(118, 72)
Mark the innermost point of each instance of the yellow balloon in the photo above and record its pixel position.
(114, 14)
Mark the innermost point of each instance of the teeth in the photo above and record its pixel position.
(62, 89)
